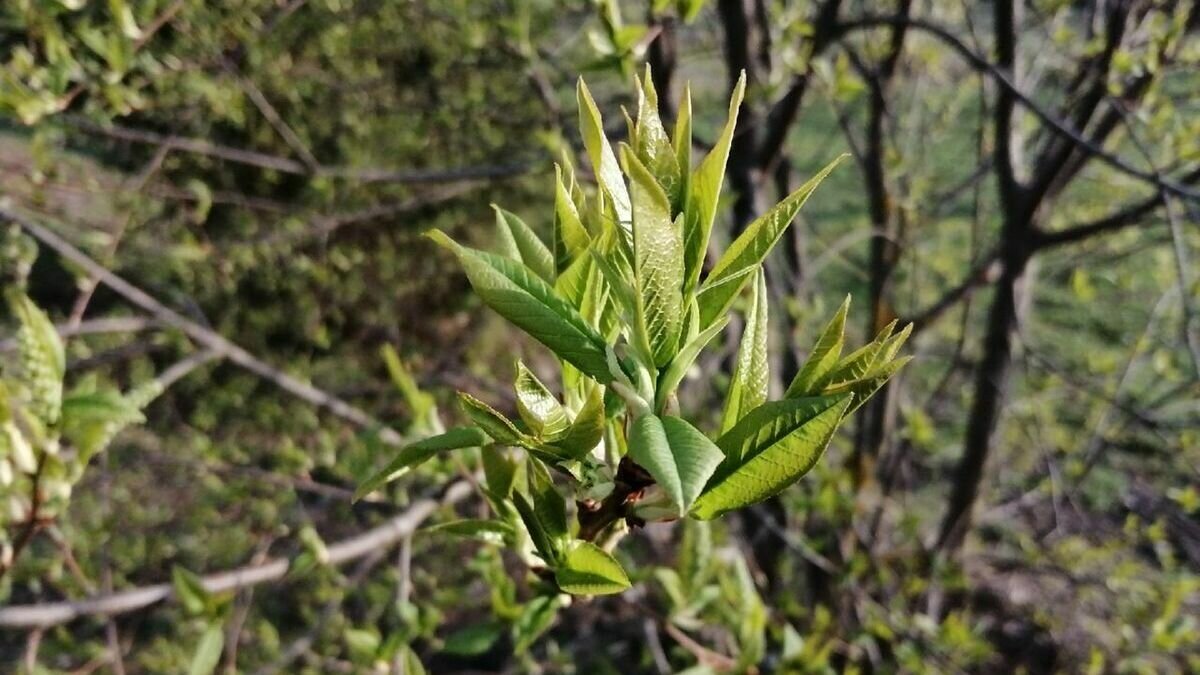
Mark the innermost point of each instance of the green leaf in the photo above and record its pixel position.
(704, 192)
(652, 146)
(695, 556)
(821, 360)
(208, 652)
(91, 420)
(587, 429)
(548, 503)
(420, 404)
(682, 140)
(487, 531)
(520, 296)
(865, 387)
(571, 238)
(669, 381)
(588, 569)
(43, 362)
(604, 162)
(536, 618)
(522, 244)
(859, 362)
(416, 453)
(677, 455)
(748, 389)
(499, 471)
(658, 264)
(768, 450)
(190, 591)
(540, 410)
(473, 640)
(491, 421)
(748, 251)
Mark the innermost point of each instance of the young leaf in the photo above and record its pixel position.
(520, 239)
(604, 162)
(536, 618)
(859, 362)
(677, 455)
(571, 239)
(540, 410)
(651, 144)
(587, 429)
(416, 453)
(520, 296)
(682, 139)
(748, 389)
(658, 264)
(748, 251)
(43, 362)
(190, 591)
(768, 450)
(704, 192)
(208, 651)
(548, 504)
(822, 358)
(542, 541)
(499, 471)
(421, 405)
(488, 531)
(588, 569)
(473, 640)
(866, 386)
(669, 381)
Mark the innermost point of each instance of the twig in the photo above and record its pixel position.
(209, 339)
(371, 541)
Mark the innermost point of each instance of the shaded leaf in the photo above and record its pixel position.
(416, 453)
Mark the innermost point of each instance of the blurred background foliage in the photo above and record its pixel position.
(266, 167)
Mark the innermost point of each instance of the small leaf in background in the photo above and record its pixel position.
(190, 591)
(416, 453)
(588, 569)
(473, 640)
(488, 531)
(536, 618)
(748, 389)
(42, 360)
(747, 252)
(768, 450)
(208, 652)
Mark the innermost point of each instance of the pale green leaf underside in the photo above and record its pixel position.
(540, 410)
(679, 457)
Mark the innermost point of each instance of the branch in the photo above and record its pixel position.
(213, 342)
(371, 541)
(1060, 127)
(286, 165)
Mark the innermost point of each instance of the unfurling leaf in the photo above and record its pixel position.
(522, 244)
(821, 360)
(748, 389)
(540, 410)
(658, 265)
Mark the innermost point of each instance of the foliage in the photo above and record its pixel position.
(625, 322)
